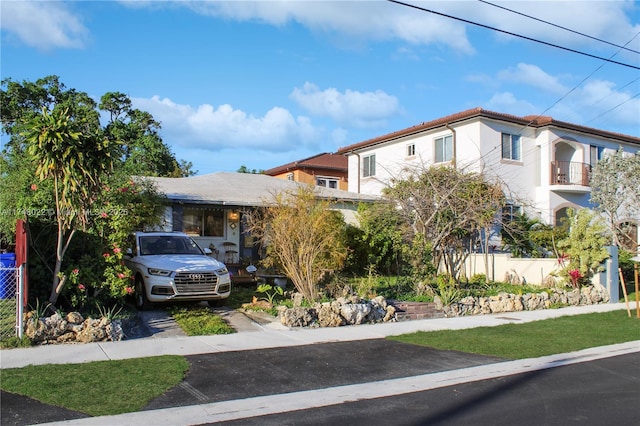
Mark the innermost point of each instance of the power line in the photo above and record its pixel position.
(514, 34)
(557, 26)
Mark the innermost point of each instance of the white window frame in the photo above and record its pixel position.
(327, 182)
(443, 147)
(411, 150)
(596, 152)
(369, 165)
(511, 147)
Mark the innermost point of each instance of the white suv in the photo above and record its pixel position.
(170, 266)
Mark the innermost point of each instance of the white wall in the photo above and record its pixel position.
(533, 271)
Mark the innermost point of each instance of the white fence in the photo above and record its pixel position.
(11, 306)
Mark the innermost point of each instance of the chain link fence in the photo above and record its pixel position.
(11, 308)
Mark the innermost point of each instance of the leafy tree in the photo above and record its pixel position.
(62, 168)
(302, 236)
(615, 189)
(584, 245)
(526, 237)
(75, 162)
(379, 240)
(444, 210)
(142, 150)
(245, 169)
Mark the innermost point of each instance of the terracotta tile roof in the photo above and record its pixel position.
(530, 121)
(325, 161)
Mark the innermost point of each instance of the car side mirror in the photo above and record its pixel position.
(207, 251)
(128, 252)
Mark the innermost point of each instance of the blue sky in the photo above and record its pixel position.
(264, 83)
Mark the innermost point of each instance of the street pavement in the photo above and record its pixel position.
(266, 368)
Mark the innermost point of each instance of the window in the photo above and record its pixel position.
(369, 165)
(201, 222)
(444, 149)
(411, 150)
(510, 212)
(327, 182)
(289, 176)
(595, 154)
(511, 147)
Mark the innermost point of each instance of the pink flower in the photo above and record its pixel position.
(103, 215)
(34, 186)
(121, 275)
(75, 271)
(81, 287)
(116, 250)
(106, 255)
(129, 290)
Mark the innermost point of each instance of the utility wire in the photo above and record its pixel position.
(514, 34)
(557, 26)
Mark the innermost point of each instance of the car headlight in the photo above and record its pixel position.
(160, 272)
(222, 271)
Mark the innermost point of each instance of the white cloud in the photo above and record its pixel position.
(532, 75)
(43, 25)
(364, 20)
(216, 128)
(507, 101)
(360, 109)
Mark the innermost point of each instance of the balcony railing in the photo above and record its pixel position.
(570, 173)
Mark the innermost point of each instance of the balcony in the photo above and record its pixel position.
(569, 176)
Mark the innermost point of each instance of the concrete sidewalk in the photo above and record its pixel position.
(269, 335)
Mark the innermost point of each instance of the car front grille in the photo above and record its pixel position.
(195, 282)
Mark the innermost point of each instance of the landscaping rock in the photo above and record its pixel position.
(72, 328)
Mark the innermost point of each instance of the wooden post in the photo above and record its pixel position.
(635, 273)
(624, 291)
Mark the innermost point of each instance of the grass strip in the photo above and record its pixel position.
(199, 321)
(98, 388)
(534, 339)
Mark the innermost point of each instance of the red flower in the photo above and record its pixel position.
(81, 287)
(106, 255)
(129, 290)
(75, 271)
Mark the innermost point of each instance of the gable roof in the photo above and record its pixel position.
(240, 189)
(326, 161)
(529, 121)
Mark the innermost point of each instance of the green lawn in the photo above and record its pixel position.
(98, 388)
(534, 339)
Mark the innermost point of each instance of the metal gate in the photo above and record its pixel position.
(11, 306)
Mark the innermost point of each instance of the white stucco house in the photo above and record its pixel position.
(544, 163)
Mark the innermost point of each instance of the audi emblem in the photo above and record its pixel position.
(196, 276)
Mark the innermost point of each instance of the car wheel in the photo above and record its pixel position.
(214, 303)
(142, 303)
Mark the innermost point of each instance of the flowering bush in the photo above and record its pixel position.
(575, 275)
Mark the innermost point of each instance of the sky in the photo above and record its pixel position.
(264, 83)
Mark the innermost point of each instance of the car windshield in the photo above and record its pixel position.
(168, 244)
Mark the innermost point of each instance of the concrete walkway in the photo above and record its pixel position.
(260, 335)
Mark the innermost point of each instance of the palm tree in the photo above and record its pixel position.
(72, 153)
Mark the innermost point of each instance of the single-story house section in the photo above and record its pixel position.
(209, 208)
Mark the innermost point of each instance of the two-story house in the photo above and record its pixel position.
(544, 164)
(327, 170)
